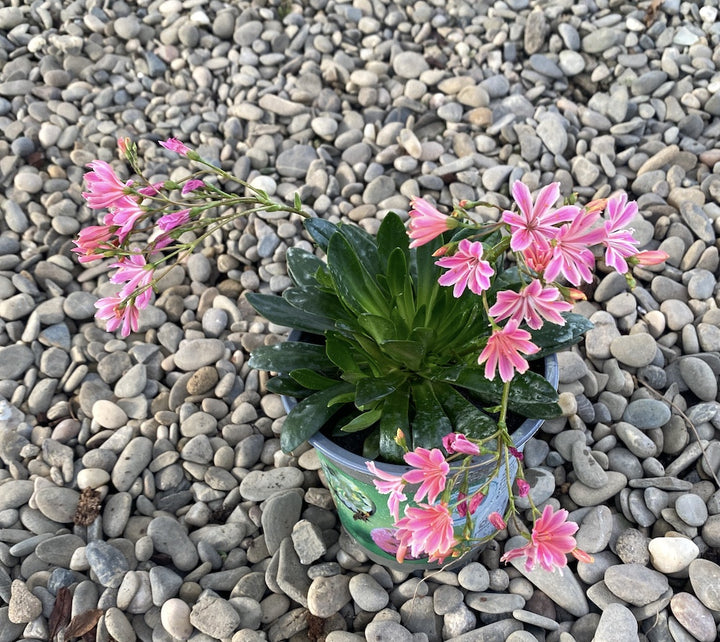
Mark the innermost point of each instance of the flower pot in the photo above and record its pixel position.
(363, 510)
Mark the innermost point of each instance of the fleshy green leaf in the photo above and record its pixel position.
(392, 236)
(314, 301)
(362, 421)
(371, 389)
(379, 328)
(530, 394)
(291, 355)
(355, 287)
(311, 379)
(464, 416)
(551, 337)
(278, 310)
(302, 266)
(340, 353)
(284, 385)
(408, 353)
(320, 231)
(309, 416)
(364, 245)
(430, 423)
(394, 416)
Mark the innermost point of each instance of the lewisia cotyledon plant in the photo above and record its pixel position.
(149, 226)
(547, 243)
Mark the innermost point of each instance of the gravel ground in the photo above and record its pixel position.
(357, 106)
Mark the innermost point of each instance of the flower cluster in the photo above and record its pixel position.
(427, 529)
(547, 243)
(150, 208)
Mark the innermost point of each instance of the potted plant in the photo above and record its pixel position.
(418, 396)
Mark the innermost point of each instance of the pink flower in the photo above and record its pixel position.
(455, 442)
(535, 224)
(105, 188)
(466, 269)
(571, 255)
(135, 275)
(523, 487)
(124, 214)
(174, 145)
(123, 144)
(91, 241)
(431, 473)
(530, 304)
(388, 483)
(651, 257)
(175, 219)
(550, 541)
(496, 520)
(619, 242)
(536, 258)
(503, 351)
(152, 189)
(118, 312)
(427, 529)
(191, 186)
(515, 453)
(464, 506)
(426, 222)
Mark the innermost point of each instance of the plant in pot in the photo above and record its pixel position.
(410, 372)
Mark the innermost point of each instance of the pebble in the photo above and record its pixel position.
(635, 584)
(672, 554)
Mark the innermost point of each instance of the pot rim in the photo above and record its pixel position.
(330, 449)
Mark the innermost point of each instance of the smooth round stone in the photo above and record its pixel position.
(57, 503)
(694, 617)
(108, 414)
(474, 577)
(595, 530)
(59, 550)
(584, 495)
(258, 485)
(367, 593)
(196, 353)
(134, 458)
(571, 366)
(705, 581)
(637, 442)
(107, 562)
(15, 493)
(327, 595)
(175, 618)
(409, 64)
(118, 626)
(571, 62)
(169, 537)
(133, 382)
(636, 584)
(214, 617)
(647, 413)
(672, 554)
(634, 350)
(586, 467)
(699, 378)
(542, 486)
(691, 509)
(92, 478)
(617, 624)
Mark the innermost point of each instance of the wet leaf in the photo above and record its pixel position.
(60, 616)
(82, 623)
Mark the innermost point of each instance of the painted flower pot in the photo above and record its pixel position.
(364, 513)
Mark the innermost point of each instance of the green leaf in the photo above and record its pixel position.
(371, 389)
(297, 201)
(400, 285)
(309, 416)
(364, 245)
(278, 310)
(314, 301)
(284, 385)
(391, 237)
(408, 353)
(464, 416)
(430, 423)
(362, 421)
(340, 353)
(355, 287)
(379, 328)
(311, 379)
(551, 337)
(394, 416)
(302, 266)
(291, 355)
(530, 394)
(427, 275)
(371, 446)
(320, 231)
